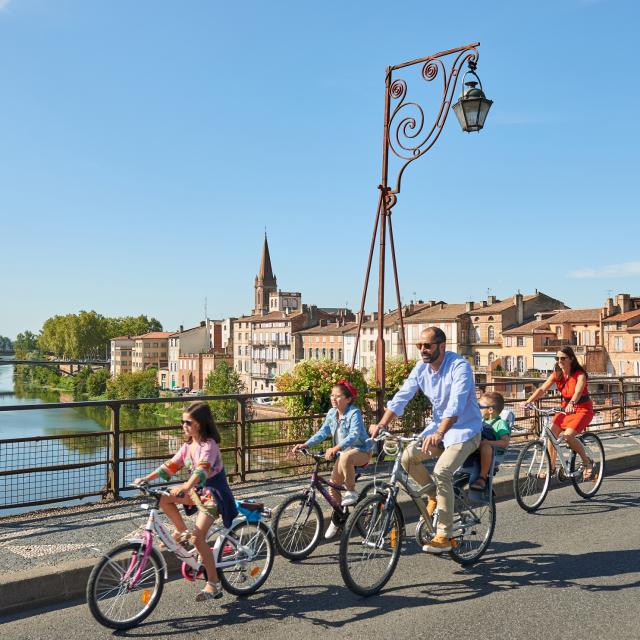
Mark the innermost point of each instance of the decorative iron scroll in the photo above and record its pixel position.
(407, 133)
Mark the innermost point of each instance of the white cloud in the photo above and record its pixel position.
(609, 271)
(4, 4)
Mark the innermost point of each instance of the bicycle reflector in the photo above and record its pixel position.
(146, 596)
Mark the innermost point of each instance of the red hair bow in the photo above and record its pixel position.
(352, 390)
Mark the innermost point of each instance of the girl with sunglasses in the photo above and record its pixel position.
(570, 378)
(206, 490)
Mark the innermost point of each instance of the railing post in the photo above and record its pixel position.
(115, 461)
(623, 403)
(241, 439)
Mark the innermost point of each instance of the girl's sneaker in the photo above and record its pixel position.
(349, 498)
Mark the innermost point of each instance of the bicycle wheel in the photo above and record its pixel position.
(369, 489)
(532, 476)
(113, 599)
(297, 525)
(249, 545)
(368, 561)
(473, 527)
(593, 446)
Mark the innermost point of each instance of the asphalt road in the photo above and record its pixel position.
(571, 570)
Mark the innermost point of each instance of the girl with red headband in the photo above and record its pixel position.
(345, 425)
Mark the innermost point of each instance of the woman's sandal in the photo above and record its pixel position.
(588, 473)
(210, 595)
(479, 485)
(543, 474)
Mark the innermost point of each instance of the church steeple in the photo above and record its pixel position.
(265, 281)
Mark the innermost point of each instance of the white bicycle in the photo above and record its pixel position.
(533, 468)
(126, 583)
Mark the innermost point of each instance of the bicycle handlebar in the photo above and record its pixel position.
(544, 412)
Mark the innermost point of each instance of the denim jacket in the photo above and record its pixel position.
(348, 432)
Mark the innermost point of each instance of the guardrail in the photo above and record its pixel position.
(49, 469)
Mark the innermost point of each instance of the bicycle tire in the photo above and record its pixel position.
(111, 599)
(593, 446)
(369, 489)
(377, 551)
(298, 524)
(529, 488)
(473, 527)
(254, 554)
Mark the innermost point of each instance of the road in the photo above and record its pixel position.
(572, 569)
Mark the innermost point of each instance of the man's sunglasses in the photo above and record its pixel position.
(427, 345)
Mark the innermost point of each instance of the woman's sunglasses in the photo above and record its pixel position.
(187, 422)
(558, 358)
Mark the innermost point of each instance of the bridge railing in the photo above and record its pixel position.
(54, 468)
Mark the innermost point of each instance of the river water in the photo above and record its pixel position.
(24, 424)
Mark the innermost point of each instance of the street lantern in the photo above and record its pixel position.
(473, 106)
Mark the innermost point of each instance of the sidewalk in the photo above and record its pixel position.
(46, 557)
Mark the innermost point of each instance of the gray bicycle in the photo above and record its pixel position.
(374, 532)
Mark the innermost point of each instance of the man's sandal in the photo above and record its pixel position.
(479, 485)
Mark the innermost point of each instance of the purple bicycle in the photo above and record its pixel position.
(298, 522)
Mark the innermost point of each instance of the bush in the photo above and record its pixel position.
(396, 372)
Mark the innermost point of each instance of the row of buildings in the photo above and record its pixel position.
(511, 336)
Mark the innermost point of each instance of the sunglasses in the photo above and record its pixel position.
(427, 345)
(187, 422)
(558, 358)
(487, 406)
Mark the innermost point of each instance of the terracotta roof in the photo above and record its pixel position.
(330, 329)
(392, 317)
(623, 317)
(122, 338)
(535, 326)
(154, 334)
(438, 312)
(575, 315)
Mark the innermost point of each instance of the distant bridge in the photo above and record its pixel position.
(65, 367)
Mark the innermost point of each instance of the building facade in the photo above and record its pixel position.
(121, 359)
(151, 350)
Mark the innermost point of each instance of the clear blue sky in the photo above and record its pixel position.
(144, 147)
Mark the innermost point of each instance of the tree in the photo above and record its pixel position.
(318, 377)
(25, 343)
(224, 380)
(396, 372)
(5, 344)
(139, 384)
(97, 382)
(131, 326)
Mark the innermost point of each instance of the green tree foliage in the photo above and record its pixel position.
(396, 372)
(24, 344)
(224, 380)
(5, 344)
(140, 384)
(97, 383)
(86, 334)
(318, 376)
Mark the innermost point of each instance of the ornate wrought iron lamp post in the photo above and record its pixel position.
(408, 136)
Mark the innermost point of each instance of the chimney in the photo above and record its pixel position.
(181, 328)
(491, 299)
(431, 303)
(202, 323)
(624, 302)
(518, 301)
(469, 306)
(484, 304)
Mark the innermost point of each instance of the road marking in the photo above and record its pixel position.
(20, 533)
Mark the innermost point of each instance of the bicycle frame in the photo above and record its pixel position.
(547, 436)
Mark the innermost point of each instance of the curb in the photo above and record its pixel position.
(44, 586)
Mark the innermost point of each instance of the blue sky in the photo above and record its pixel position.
(145, 146)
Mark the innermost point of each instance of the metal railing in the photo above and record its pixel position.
(48, 469)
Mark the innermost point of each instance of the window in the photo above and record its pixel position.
(239, 350)
(476, 359)
(492, 357)
(521, 364)
(331, 354)
(476, 334)
(520, 341)
(636, 344)
(618, 344)
(491, 333)
(508, 363)
(324, 353)
(340, 354)
(317, 354)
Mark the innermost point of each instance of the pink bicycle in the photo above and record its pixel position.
(127, 582)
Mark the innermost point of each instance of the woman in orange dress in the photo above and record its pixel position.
(571, 379)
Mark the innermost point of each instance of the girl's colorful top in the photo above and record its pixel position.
(204, 460)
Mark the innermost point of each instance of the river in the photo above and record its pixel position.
(24, 424)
